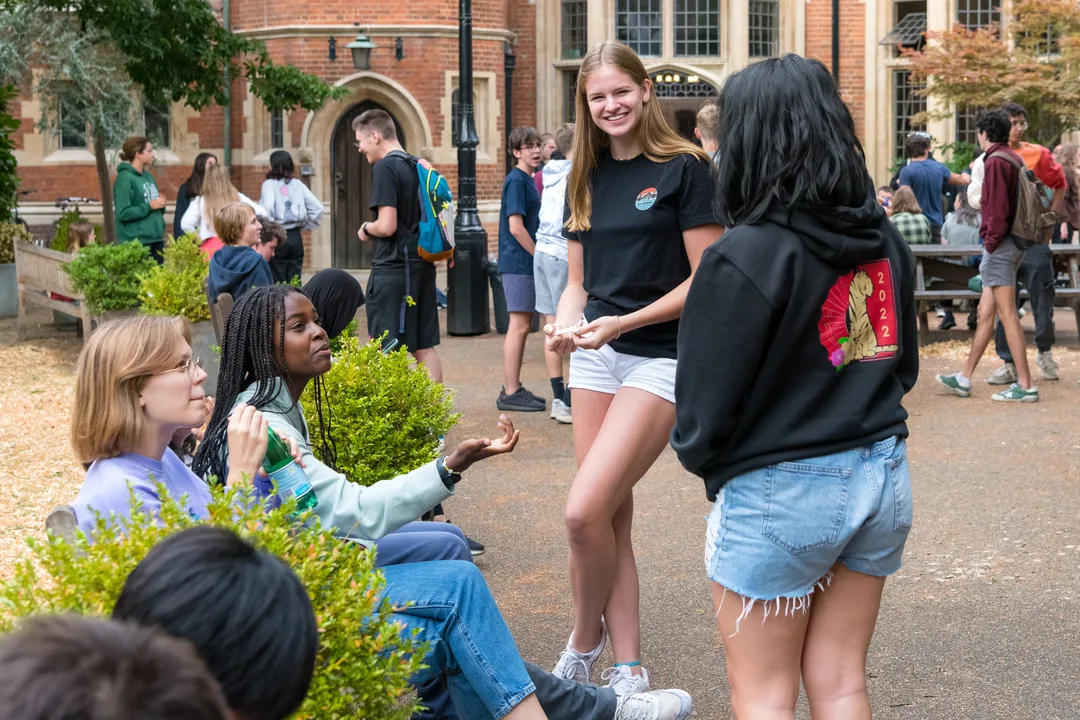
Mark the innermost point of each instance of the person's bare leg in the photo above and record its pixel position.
(633, 433)
(1014, 333)
(431, 362)
(552, 360)
(527, 709)
(763, 657)
(842, 620)
(983, 333)
(514, 350)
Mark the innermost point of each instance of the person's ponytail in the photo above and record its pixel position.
(132, 147)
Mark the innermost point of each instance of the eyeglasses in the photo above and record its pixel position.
(534, 146)
(191, 365)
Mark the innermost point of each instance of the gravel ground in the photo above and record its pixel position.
(982, 622)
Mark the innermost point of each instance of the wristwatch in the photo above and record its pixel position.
(363, 229)
(449, 477)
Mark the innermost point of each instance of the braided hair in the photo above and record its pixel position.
(247, 356)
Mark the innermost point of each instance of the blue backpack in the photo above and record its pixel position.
(436, 241)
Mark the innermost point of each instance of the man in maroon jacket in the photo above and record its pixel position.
(1001, 258)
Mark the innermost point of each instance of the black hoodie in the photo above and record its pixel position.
(798, 339)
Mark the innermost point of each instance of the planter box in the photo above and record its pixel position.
(9, 291)
(203, 345)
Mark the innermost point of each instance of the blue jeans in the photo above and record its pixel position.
(776, 532)
(422, 542)
(456, 615)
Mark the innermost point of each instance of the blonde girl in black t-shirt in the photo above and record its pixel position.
(638, 219)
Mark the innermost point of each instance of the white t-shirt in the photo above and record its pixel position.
(195, 217)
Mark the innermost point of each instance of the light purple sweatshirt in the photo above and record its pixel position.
(106, 487)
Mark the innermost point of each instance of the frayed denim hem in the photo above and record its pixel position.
(796, 602)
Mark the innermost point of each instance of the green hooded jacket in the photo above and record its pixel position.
(132, 193)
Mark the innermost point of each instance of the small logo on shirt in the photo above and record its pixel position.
(645, 199)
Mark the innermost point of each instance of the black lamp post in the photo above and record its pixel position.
(836, 40)
(467, 297)
(509, 62)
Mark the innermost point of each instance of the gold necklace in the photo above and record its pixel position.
(625, 159)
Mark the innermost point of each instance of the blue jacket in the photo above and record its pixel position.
(235, 269)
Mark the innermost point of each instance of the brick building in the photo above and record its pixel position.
(689, 47)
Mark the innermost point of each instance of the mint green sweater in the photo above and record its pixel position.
(356, 512)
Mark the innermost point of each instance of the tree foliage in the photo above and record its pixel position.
(1035, 62)
(9, 176)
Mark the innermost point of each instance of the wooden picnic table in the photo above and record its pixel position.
(948, 264)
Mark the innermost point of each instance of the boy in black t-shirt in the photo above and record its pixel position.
(519, 219)
(394, 198)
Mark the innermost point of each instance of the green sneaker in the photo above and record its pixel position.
(1015, 393)
(952, 383)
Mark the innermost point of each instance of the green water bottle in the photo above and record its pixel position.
(287, 474)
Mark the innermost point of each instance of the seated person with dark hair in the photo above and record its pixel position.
(58, 668)
(249, 618)
(271, 236)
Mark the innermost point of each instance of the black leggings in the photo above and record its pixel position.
(288, 260)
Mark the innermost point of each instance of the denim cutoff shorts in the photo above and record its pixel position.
(776, 532)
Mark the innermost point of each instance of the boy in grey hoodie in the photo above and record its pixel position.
(550, 263)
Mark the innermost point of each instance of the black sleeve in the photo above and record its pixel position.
(566, 232)
(182, 202)
(723, 334)
(695, 195)
(908, 369)
(384, 185)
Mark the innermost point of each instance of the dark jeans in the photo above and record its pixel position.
(561, 699)
(288, 260)
(1037, 275)
(157, 250)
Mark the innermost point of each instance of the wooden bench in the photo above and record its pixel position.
(220, 307)
(40, 272)
(932, 261)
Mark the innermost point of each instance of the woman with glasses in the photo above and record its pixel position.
(136, 385)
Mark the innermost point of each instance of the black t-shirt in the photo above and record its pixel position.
(634, 252)
(394, 183)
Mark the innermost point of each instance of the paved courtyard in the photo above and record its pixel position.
(982, 622)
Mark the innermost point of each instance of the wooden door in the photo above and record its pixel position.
(350, 177)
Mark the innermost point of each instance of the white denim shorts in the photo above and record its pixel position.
(606, 370)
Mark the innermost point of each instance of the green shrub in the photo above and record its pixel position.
(110, 276)
(9, 167)
(364, 662)
(9, 233)
(386, 416)
(176, 287)
(348, 332)
(60, 241)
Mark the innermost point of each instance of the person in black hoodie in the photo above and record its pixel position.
(796, 346)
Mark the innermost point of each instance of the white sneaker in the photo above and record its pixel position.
(560, 412)
(655, 705)
(624, 682)
(1004, 375)
(577, 666)
(1048, 366)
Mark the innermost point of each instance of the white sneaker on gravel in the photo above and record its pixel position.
(560, 412)
(655, 705)
(1004, 375)
(577, 666)
(624, 682)
(1048, 366)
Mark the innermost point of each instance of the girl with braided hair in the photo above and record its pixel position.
(272, 349)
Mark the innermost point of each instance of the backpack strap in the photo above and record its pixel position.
(1016, 163)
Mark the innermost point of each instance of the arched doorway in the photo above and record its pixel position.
(350, 175)
(681, 95)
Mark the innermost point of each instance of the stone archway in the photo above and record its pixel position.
(681, 93)
(318, 136)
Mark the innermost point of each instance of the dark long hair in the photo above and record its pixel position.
(281, 166)
(786, 137)
(247, 356)
(198, 172)
(965, 214)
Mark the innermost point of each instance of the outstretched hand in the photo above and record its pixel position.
(472, 451)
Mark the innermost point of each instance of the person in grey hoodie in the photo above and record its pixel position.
(289, 202)
(550, 266)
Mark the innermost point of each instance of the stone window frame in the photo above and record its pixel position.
(486, 111)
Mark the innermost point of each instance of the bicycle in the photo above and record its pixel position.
(15, 210)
